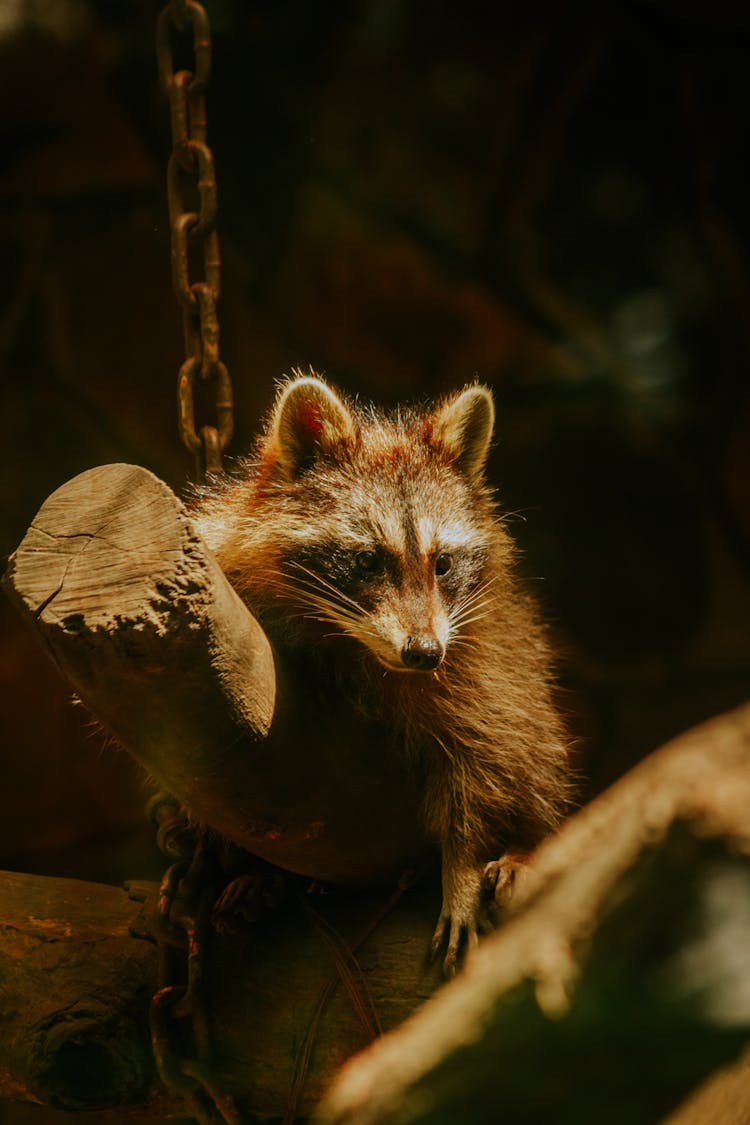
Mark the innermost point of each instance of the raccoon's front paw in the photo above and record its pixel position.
(462, 919)
(246, 898)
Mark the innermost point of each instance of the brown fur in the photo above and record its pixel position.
(481, 726)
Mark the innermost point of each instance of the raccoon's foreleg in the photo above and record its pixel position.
(473, 897)
(464, 915)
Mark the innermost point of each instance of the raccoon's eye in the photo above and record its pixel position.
(369, 563)
(443, 563)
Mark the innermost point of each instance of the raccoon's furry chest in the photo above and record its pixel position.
(347, 681)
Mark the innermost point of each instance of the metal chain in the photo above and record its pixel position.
(186, 892)
(185, 898)
(191, 194)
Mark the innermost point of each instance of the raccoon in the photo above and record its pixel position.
(370, 548)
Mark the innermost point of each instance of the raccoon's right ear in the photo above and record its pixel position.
(309, 421)
(463, 426)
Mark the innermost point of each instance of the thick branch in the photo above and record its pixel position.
(562, 941)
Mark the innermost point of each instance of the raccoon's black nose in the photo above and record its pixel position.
(422, 653)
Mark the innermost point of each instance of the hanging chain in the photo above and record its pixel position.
(186, 892)
(191, 193)
(178, 1012)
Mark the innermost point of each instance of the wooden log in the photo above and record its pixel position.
(566, 1014)
(145, 627)
(74, 988)
(78, 966)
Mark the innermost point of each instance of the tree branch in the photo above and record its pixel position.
(572, 969)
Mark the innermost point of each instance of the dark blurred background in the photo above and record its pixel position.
(548, 197)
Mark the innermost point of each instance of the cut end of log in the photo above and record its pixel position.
(108, 547)
(142, 623)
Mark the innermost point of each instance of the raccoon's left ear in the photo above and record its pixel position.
(309, 421)
(463, 427)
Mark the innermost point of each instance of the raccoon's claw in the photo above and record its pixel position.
(462, 938)
(460, 929)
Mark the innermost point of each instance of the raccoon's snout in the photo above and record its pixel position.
(422, 653)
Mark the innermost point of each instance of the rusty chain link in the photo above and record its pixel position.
(178, 1006)
(191, 195)
(186, 892)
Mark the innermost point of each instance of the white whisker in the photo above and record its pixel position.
(465, 642)
(324, 584)
(459, 618)
(471, 597)
(470, 609)
(338, 609)
(476, 617)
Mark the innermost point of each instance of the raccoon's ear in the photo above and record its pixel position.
(309, 420)
(463, 427)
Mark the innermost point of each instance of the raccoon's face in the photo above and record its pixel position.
(403, 584)
(383, 542)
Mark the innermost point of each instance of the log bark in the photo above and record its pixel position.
(141, 621)
(569, 986)
(78, 967)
